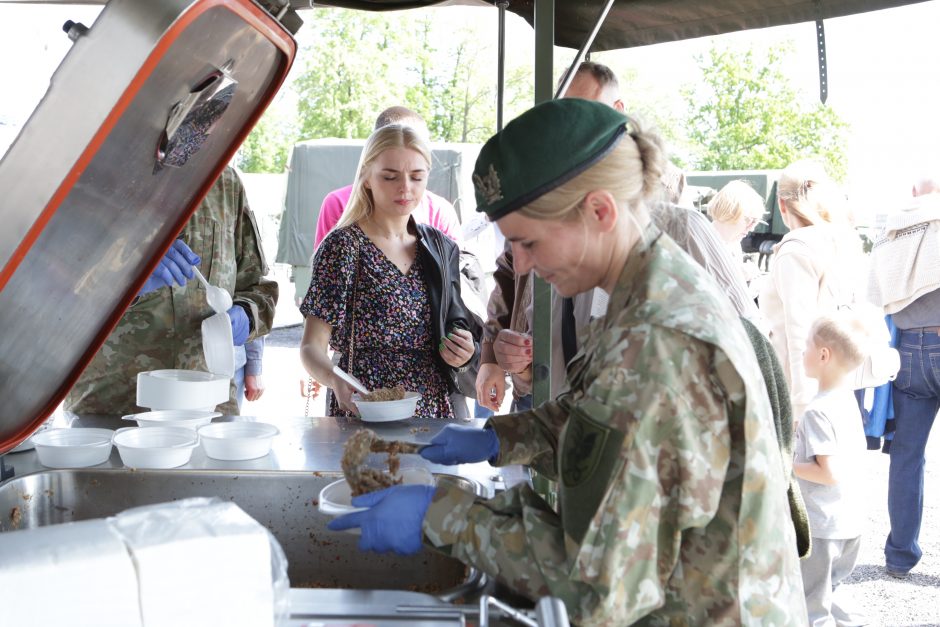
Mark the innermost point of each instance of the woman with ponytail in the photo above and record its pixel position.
(671, 495)
(815, 268)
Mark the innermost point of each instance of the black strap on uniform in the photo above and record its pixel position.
(569, 333)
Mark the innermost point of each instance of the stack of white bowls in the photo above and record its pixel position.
(181, 389)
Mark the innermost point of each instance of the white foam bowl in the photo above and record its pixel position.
(181, 389)
(186, 418)
(386, 411)
(73, 448)
(237, 440)
(155, 447)
(336, 498)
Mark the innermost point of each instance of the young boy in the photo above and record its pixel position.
(827, 461)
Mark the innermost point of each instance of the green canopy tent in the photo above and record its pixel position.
(643, 22)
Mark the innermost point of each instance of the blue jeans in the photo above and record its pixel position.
(521, 404)
(479, 411)
(916, 401)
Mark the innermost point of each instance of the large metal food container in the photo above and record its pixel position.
(139, 120)
(284, 502)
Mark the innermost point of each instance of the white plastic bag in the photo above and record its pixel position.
(203, 561)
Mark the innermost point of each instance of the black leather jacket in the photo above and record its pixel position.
(440, 257)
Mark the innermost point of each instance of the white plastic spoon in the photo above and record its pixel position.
(351, 380)
(218, 299)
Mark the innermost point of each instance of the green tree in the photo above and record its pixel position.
(745, 114)
(267, 147)
(353, 62)
(358, 63)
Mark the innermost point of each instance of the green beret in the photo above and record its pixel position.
(543, 148)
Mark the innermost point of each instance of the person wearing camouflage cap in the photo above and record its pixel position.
(672, 497)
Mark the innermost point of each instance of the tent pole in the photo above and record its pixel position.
(544, 24)
(585, 47)
(501, 64)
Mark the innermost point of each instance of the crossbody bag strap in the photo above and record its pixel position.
(352, 313)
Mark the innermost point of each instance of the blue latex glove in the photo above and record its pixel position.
(176, 266)
(458, 444)
(393, 520)
(240, 326)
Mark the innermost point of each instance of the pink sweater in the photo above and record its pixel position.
(433, 210)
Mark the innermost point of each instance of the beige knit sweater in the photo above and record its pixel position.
(905, 260)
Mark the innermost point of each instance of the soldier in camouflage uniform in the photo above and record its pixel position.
(672, 498)
(163, 328)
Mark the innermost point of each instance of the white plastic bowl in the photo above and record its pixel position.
(186, 418)
(217, 344)
(73, 448)
(387, 411)
(181, 389)
(336, 498)
(155, 447)
(237, 440)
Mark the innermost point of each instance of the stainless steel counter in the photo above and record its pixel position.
(312, 445)
(304, 444)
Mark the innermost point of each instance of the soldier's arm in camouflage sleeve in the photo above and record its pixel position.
(667, 479)
(531, 437)
(252, 291)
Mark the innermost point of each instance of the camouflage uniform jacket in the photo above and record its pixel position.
(163, 329)
(672, 497)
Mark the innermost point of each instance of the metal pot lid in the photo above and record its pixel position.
(140, 118)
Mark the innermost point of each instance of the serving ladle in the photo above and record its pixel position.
(218, 299)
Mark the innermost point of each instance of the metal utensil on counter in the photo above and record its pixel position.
(351, 380)
(218, 299)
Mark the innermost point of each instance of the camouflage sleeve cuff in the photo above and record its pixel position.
(529, 438)
(507, 427)
(447, 516)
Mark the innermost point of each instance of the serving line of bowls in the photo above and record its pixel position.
(164, 439)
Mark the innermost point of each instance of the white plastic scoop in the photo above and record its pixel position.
(218, 299)
(351, 380)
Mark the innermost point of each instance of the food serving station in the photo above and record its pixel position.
(330, 579)
(139, 120)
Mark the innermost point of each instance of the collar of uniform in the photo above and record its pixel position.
(637, 260)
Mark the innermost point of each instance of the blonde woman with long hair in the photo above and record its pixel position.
(385, 291)
(817, 266)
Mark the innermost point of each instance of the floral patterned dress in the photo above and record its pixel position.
(354, 284)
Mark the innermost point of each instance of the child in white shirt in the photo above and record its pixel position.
(827, 461)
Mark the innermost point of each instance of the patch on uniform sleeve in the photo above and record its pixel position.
(590, 455)
(584, 445)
